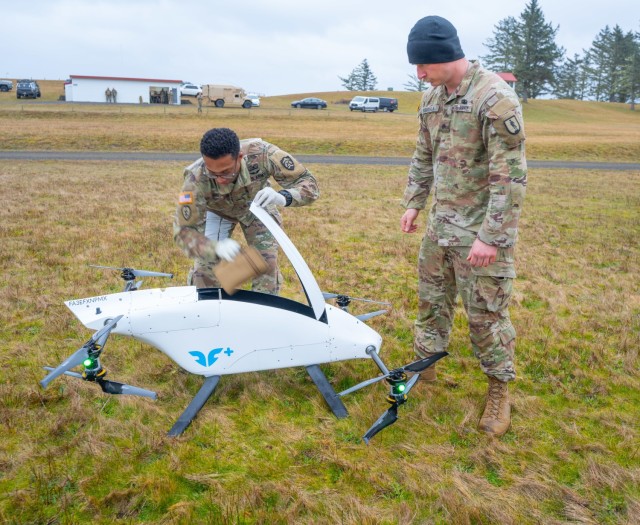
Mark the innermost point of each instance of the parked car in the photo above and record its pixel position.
(190, 90)
(27, 89)
(6, 85)
(255, 99)
(364, 104)
(311, 102)
(388, 104)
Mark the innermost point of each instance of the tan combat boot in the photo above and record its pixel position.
(496, 418)
(428, 374)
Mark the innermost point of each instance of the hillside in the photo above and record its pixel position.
(556, 129)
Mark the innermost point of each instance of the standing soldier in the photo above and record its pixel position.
(114, 95)
(470, 150)
(217, 192)
(199, 97)
(107, 94)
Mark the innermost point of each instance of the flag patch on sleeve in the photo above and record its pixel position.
(186, 197)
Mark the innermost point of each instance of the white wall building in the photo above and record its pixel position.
(83, 88)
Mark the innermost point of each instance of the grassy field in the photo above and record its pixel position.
(556, 129)
(265, 449)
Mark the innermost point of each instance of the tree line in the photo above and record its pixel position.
(526, 46)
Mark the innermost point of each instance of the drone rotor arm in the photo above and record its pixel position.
(362, 385)
(113, 387)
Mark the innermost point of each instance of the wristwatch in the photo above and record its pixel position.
(288, 197)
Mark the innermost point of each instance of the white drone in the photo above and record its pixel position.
(205, 332)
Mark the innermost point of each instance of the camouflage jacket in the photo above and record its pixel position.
(201, 193)
(470, 150)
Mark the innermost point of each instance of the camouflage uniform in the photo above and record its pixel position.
(470, 150)
(201, 193)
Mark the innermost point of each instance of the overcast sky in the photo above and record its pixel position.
(272, 47)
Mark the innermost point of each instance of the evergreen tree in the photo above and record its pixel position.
(631, 72)
(502, 47)
(572, 78)
(527, 48)
(415, 84)
(360, 79)
(610, 53)
(348, 82)
(537, 53)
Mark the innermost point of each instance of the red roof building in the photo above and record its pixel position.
(509, 78)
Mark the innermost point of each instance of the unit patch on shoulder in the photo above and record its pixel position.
(513, 125)
(186, 213)
(186, 197)
(284, 162)
(287, 163)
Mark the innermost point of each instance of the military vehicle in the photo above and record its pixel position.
(222, 95)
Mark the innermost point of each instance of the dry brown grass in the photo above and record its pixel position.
(265, 449)
(556, 129)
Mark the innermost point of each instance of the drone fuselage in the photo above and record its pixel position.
(210, 333)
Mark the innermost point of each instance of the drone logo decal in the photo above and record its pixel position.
(208, 360)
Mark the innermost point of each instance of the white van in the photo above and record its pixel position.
(364, 104)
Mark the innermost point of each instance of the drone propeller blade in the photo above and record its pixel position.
(134, 272)
(113, 387)
(421, 364)
(72, 361)
(82, 353)
(410, 384)
(386, 419)
(362, 385)
(329, 295)
(366, 317)
(147, 273)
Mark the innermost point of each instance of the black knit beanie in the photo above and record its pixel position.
(433, 40)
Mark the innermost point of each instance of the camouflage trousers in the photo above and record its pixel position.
(257, 235)
(444, 273)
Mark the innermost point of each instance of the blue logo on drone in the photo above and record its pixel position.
(211, 358)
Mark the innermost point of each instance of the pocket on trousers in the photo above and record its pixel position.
(494, 293)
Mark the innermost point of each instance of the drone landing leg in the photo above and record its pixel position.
(335, 403)
(194, 407)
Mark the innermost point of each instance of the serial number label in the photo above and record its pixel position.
(90, 300)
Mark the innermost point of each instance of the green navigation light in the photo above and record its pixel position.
(87, 363)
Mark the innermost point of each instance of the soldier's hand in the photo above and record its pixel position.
(268, 196)
(482, 254)
(407, 222)
(227, 249)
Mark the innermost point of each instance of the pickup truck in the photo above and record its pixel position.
(6, 85)
(27, 89)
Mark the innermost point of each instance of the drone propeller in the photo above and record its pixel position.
(133, 272)
(113, 387)
(340, 298)
(416, 367)
(87, 351)
(400, 388)
(130, 274)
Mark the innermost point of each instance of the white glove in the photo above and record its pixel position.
(268, 196)
(227, 249)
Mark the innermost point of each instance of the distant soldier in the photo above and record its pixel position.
(108, 94)
(114, 95)
(199, 97)
(217, 192)
(470, 156)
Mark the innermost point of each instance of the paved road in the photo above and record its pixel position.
(187, 158)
